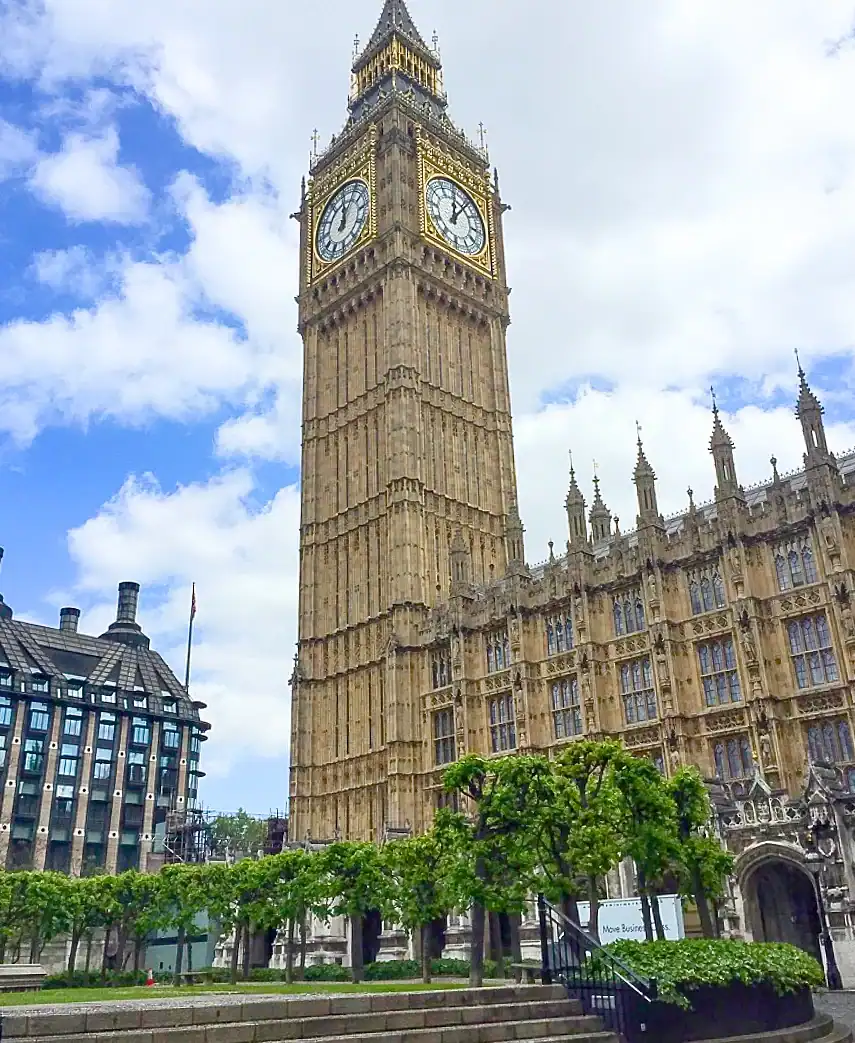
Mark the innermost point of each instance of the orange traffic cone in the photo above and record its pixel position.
(150, 979)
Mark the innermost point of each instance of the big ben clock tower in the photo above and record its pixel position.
(407, 463)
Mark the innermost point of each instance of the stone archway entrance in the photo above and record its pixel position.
(781, 906)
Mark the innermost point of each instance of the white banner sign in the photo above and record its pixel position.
(621, 918)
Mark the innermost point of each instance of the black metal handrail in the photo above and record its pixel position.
(603, 984)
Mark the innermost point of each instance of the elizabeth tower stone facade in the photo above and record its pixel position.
(407, 449)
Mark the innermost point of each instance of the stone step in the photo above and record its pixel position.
(297, 1017)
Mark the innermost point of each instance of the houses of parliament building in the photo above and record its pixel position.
(723, 637)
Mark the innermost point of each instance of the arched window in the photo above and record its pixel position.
(796, 568)
(490, 666)
(844, 736)
(828, 743)
(550, 640)
(618, 614)
(639, 614)
(628, 618)
(695, 597)
(747, 758)
(720, 770)
(783, 572)
(815, 744)
(809, 565)
(718, 591)
(559, 636)
(734, 764)
(706, 594)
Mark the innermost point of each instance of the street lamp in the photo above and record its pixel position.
(815, 861)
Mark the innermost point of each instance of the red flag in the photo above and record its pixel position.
(193, 604)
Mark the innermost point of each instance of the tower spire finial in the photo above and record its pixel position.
(799, 364)
(714, 401)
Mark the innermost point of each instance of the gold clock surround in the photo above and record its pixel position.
(358, 165)
(436, 162)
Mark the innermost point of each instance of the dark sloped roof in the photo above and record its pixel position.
(28, 648)
(394, 18)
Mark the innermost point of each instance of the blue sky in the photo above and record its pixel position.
(683, 214)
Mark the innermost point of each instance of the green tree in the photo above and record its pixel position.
(579, 825)
(649, 827)
(85, 911)
(354, 882)
(489, 865)
(180, 898)
(240, 834)
(296, 892)
(421, 892)
(703, 866)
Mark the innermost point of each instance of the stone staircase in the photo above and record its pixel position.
(536, 1013)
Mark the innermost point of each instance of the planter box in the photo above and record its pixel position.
(730, 1010)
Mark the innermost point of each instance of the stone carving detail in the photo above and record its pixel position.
(725, 721)
(642, 737)
(820, 702)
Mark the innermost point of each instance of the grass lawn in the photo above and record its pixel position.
(47, 996)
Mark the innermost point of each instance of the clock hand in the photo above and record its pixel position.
(343, 224)
(455, 211)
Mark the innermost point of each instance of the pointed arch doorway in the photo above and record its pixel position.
(780, 905)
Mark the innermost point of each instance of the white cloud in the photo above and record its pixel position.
(18, 150)
(86, 181)
(242, 557)
(75, 271)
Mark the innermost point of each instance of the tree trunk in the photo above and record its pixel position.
(645, 905)
(247, 951)
(304, 943)
(289, 952)
(3, 951)
(179, 956)
(34, 947)
(357, 965)
(138, 948)
(594, 908)
(72, 952)
(107, 935)
(657, 916)
(570, 908)
(716, 924)
(236, 953)
(88, 963)
(516, 944)
(494, 940)
(425, 935)
(476, 966)
(701, 902)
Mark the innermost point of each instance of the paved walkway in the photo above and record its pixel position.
(840, 1005)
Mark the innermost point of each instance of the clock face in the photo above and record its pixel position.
(455, 216)
(343, 221)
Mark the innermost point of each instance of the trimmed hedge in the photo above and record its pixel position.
(693, 963)
(327, 972)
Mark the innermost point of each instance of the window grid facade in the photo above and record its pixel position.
(706, 591)
(719, 673)
(811, 651)
(559, 634)
(440, 662)
(503, 728)
(498, 651)
(830, 742)
(795, 565)
(628, 613)
(733, 759)
(638, 691)
(443, 737)
(566, 708)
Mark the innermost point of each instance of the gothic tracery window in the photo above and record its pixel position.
(443, 737)
(706, 590)
(733, 759)
(559, 633)
(719, 673)
(830, 742)
(566, 708)
(795, 565)
(812, 651)
(503, 727)
(628, 612)
(498, 651)
(441, 667)
(638, 691)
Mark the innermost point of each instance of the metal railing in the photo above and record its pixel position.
(604, 986)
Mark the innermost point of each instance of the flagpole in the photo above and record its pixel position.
(190, 639)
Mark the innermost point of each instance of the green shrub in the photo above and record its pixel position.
(391, 970)
(491, 968)
(679, 967)
(328, 972)
(266, 974)
(449, 968)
